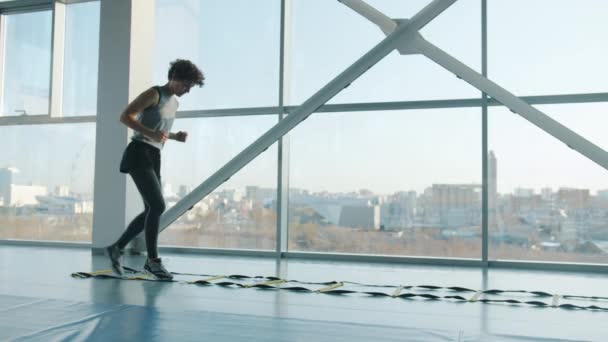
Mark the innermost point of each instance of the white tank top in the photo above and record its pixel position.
(158, 118)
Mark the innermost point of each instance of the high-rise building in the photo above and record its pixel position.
(573, 198)
(62, 190)
(452, 198)
(492, 181)
(546, 194)
(6, 180)
(251, 192)
(184, 190)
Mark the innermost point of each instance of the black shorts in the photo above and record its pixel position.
(139, 155)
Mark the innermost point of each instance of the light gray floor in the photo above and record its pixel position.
(35, 280)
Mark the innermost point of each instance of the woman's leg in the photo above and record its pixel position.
(136, 226)
(149, 187)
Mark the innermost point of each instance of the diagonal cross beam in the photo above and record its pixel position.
(401, 34)
(420, 46)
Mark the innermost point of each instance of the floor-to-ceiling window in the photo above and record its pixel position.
(47, 161)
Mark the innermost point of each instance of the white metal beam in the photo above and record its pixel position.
(404, 32)
(57, 60)
(386, 24)
(2, 60)
(17, 6)
(282, 204)
(517, 105)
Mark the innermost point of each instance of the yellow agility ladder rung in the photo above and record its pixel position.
(100, 272)
(330, 287)
(556, 298)
(208, 280)
(476, 296)
(270, 282)
(141, 277)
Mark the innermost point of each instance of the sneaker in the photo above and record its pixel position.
(114, 254)
(156, 268)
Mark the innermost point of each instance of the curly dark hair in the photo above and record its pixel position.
(184, 70)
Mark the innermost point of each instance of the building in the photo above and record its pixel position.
(365, 217)
(456, 204)
(573, 198)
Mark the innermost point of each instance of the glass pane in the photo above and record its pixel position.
(47, 193)
(81, 59)
(551, 49)
(235, 43)
(390, 183)
(327, 37)
(241, 212)
(27, 64)
(550, 202)
(586, 119)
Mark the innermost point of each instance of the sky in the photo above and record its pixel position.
(540, 47)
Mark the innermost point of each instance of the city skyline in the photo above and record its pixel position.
(384, 151)
(171, 189)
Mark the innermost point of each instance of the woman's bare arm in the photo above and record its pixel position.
(146, 99)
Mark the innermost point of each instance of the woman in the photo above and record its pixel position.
(151, 116)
